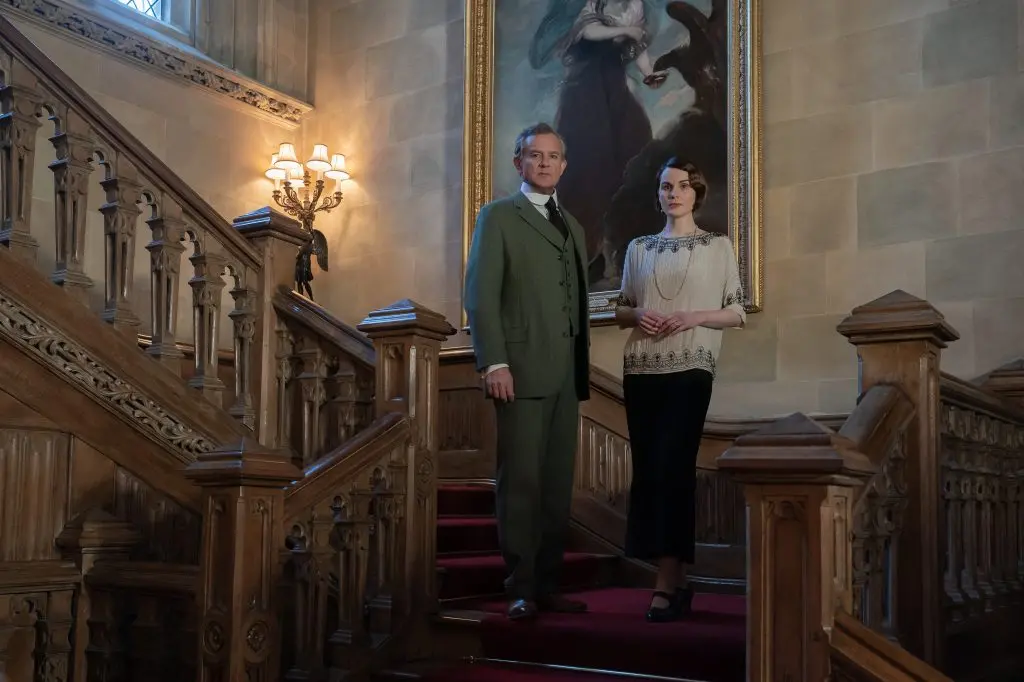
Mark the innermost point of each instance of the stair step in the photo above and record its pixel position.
(513, 671)
(466, 577)
(614, 636)
(465, 500)
(459, 535)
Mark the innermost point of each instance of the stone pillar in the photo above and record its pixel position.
(277, 239)
(407, 338)
(899, 339)
(240, 564)
(799, 481)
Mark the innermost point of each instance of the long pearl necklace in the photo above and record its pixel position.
(686, 272)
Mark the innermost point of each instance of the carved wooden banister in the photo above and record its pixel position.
(800, 481)
(899, 339)
(878, 428)
(193, 253)
(982, 467)
(325, 372)
(345, 536)
(45, 74)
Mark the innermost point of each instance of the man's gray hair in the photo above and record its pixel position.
(533, 131)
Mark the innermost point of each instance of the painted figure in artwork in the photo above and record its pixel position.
(601, 120)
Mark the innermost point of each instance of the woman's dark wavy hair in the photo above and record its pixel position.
(697, 181)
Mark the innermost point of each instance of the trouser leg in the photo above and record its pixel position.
(521, 444)
(557, 470)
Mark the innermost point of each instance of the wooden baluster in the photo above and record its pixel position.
(243, 317)
(339, 387)
(351, 648)
(284, 400)
(71, 174)
(799, 480)
(407, 338)
(120, 213)
(311, 385)
(899, 339)
(20, 103)
(168, 231)
(207, 285)
(953, 516)
(243, 534)
(968, 526)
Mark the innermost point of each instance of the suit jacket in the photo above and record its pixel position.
(515, 298)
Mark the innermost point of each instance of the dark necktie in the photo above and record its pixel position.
(555, 216)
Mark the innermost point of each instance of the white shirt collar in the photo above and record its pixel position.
(536, 198)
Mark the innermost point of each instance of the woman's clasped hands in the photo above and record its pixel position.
(655, 323)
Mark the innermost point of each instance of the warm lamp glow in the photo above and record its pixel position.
(337, 170)
(275, 173)
(295, 178)
(318, 161)
(286, 158)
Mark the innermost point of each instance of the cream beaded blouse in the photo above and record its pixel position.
(669, 274)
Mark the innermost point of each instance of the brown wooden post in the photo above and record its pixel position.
(243, 537)
(277, 239)
(899, 339)
(407, 338)
(799, 481)
(92, 536)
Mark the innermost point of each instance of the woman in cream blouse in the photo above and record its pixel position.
(680, 289)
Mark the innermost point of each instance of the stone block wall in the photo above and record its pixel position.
(894, 154)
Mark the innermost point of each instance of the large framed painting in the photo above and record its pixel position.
(628, 84)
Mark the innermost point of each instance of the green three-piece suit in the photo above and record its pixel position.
(526, 299)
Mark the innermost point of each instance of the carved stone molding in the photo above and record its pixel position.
(112, 38)
(75, 363)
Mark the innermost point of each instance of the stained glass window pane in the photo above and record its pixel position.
(151, 8)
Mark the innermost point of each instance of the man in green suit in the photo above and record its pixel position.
(526, 299)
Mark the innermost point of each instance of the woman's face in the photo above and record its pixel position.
(675, 194)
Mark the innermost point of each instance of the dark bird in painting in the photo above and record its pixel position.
(698, 135)
(316, 245)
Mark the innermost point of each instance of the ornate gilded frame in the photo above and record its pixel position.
(745, 138)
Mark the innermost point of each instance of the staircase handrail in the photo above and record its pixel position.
(320, 321)
(863, 655)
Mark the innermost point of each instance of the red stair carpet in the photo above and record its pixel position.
(612, 636)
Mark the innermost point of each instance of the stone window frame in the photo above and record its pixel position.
(176, 27)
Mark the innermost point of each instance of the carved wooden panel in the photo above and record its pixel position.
(171, 533)
(34, 474)
(36, 612)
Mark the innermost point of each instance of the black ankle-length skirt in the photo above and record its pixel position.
(665, 415)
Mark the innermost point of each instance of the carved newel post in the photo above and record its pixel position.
(899, 339)
(277, 239)
(799, 481)
(243, 536)
(407, 338)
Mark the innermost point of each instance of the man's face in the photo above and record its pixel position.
(542, 163)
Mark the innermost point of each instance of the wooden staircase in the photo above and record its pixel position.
(204, 475)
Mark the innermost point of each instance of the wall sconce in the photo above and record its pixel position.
(296, 191)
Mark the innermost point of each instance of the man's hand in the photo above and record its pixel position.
(650, 321)
(498, 385)
(680, 321)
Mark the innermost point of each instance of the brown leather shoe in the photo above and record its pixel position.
(521, 609)
(558, 604)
